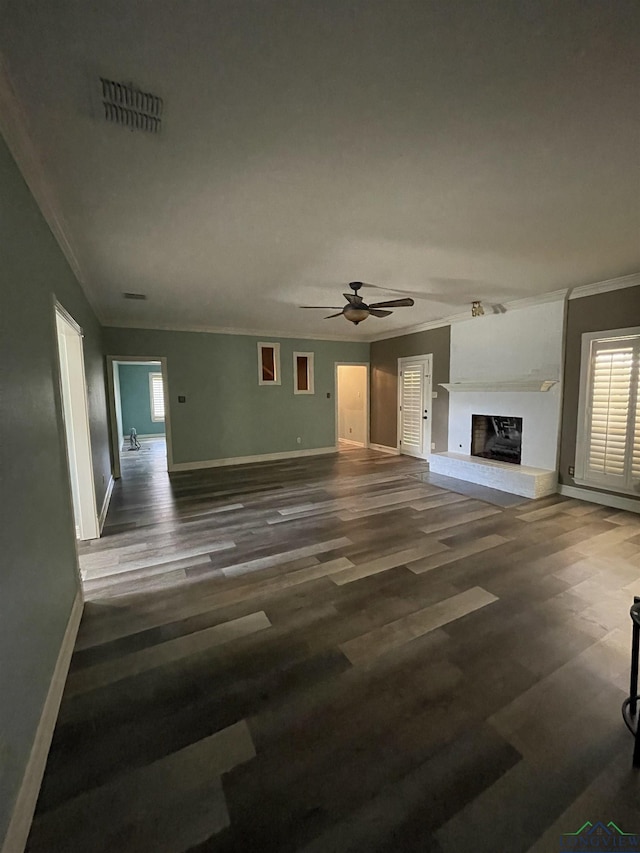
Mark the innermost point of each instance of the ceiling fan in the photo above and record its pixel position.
(356, 310)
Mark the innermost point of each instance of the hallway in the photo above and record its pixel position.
(329, 654)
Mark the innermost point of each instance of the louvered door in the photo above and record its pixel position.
(414, 416)
(610, 443)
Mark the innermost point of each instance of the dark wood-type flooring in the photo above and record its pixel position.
(334, 654)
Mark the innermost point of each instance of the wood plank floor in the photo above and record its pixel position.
(336, 654)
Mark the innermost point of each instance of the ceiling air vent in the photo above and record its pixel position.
(134, 295)
(130, 107)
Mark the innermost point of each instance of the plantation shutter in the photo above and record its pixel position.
(635, 453)
(412, 390)
(612, 440)
(157, 397)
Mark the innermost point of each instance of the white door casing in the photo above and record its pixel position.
(75, 410)
(414, 405)
(115, 417)
(365, 392)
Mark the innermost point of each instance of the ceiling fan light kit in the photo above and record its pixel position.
(356, 310)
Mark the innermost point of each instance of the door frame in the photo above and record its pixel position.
(366, 365)
(111, 401)
(87, 525)
(427, 360)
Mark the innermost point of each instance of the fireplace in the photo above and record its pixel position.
(496, 437)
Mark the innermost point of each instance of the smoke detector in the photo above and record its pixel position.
(126, 105)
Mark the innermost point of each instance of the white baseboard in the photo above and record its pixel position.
(245, 460)
(350, 442)
(20, 823)
(382, 448)
(105, 504)
(604, 498)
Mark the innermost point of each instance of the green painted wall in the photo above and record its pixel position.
(135, 399)
(38, 571)
(226, 413)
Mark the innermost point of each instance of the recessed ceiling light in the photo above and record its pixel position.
(135, 295)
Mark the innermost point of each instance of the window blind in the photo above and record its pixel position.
(157, 397)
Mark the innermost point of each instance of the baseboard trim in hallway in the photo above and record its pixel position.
(382, 448)
(18, 832)
(105, 504)
(247, 460)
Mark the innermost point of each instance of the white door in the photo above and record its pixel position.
(414, 404)
(76, 423)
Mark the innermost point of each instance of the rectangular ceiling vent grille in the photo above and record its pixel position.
(134, 295)
(125, 105)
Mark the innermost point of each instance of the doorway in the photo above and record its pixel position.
(139, 414)
(352, 405)
(414, 405)
(75, 410)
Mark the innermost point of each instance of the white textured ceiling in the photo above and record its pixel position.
(483, 150)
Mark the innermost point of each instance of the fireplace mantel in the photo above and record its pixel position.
(491, 385)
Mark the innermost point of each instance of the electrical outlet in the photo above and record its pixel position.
(433, 445)
(572, 470)
(299, 440)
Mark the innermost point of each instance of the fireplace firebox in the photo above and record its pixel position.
(496, 437)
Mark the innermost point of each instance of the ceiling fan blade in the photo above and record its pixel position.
(377, 313)
(353, 298)
(407, 302)
(324, 307)
(331, 316)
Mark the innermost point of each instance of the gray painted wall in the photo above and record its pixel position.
(38, 574)
(384, 383)
(618, 309)
(226, 413)
(136, 400)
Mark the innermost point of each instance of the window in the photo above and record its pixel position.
(268, 364)
(303, 373)
(156, 393)
(608, 442)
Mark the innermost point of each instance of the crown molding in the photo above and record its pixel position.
(609, 284)
(225, 330)
(578, 292)
(15, 130)
(513, 305)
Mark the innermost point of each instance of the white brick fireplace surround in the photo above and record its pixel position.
(496, 361)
